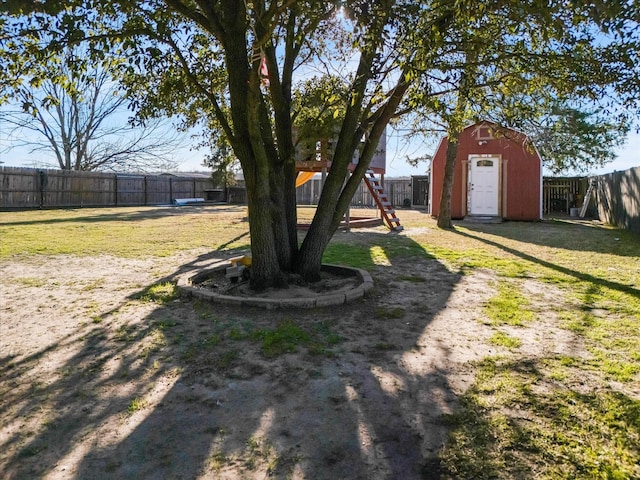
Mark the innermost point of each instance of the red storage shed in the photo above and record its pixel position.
(498, 173)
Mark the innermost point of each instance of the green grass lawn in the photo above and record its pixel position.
(124, 232)
(550, 416)
(546, 416)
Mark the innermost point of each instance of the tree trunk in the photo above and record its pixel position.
(444, 213)
(336, 194)
(261, 136)
(321, 229)
(264, 223)
(456, 125)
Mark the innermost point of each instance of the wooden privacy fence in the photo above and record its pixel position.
(398, 190)
(618, 198)
(35, 188)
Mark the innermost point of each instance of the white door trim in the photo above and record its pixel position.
(484, 185)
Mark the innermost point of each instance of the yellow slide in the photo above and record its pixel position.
(303, 177)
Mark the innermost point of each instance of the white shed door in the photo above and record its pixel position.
(484, 186)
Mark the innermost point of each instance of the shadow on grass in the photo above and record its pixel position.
(187, 390)
(140, 213)
(224, 246)
(570, 234)
(584, 277)
(513, 417)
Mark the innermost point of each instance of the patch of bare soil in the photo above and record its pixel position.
(96, 382)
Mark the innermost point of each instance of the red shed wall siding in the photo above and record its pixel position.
(520, 176)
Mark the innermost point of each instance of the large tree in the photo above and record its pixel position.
(240, 61)
(207, 57)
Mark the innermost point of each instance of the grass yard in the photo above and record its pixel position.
(490, 351)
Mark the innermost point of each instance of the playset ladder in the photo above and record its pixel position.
(377, 192)
(587, 198)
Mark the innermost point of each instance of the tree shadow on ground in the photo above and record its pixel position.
(122, 214)
(570, 234)
(584, 277)
(516, 411)
(189, 390)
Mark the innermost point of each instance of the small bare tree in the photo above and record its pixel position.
(77, 115)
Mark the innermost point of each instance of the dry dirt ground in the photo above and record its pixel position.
(97, 382)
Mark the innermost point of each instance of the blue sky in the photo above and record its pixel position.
(397, 151)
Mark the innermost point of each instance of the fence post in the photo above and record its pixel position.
(42, 183)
